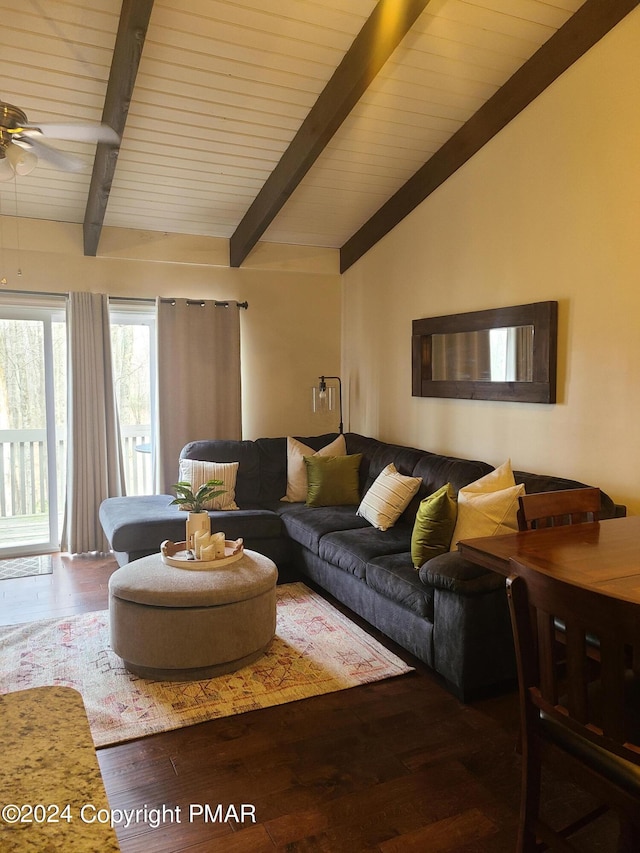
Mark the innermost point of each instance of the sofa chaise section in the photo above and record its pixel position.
(136, 527)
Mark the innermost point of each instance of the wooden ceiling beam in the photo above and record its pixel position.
(382, 33)
(585, 28)
(132, 31)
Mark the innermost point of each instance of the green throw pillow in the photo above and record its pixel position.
(434, 525)
(333, 480)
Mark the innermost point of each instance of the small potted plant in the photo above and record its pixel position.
(186, 499)
(193, 503)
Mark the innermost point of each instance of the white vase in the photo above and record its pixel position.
(196, 521)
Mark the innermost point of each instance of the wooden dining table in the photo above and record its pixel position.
(602, 555)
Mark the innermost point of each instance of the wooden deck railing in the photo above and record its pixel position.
(24, 475)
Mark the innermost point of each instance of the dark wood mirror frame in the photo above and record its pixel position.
(543, 316)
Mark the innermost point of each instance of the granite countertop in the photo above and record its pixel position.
(48, 762)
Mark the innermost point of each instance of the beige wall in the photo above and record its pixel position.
(549, 209)
(290, 334)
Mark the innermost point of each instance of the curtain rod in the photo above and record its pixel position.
(219, 303)
(34, 293)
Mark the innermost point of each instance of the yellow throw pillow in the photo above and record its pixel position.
(489, 506)
(388, 497)
(296, 469)
(434, 525)
(333, 480)
(500, 478)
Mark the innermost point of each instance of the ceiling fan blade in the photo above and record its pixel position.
(73, 132)
(58, 159)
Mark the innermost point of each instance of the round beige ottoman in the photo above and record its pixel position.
(177, 624)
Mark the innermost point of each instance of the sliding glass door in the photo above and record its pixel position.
(32, 427)
(133, 350)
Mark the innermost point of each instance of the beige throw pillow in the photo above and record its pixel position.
(489, 506)
(297, 482)
(388, 497)
(198, 473)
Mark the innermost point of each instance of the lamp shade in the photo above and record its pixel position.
(21, 160)
(324, 399)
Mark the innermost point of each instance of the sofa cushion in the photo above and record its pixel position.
(434, 525)
(453, 573)
(248, 523)
(388, 497)
(436, 470)
(394, 577)
(351, 550)
(307, 525)
(297, 480)
(333, 480)
(545, 483)
(198, 473)
(376, 455)
(357, 443)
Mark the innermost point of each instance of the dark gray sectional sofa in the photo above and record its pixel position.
(450, 614)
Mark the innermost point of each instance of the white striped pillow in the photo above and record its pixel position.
(198, 473)
(388, 497)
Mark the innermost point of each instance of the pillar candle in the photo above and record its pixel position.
(201, 538)
(208, 552)
(218, 539)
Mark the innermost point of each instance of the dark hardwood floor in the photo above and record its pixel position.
(392, 767)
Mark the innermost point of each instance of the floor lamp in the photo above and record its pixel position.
(323, 398)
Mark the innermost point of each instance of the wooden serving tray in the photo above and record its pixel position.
(176, 554)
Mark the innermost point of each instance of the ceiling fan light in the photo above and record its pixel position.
(23, 161)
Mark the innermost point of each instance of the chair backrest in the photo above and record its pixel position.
(566, 685)
(551, 509)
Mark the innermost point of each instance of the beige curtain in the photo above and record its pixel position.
(198, 379)
(94, 454)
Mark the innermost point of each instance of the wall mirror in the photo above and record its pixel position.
(498, 354)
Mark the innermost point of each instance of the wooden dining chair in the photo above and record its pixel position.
(551, 509)
(556, 508)
(583, 724)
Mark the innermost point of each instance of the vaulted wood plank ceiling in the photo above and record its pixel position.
(226, 132)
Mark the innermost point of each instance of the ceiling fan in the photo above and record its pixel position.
(21, 142)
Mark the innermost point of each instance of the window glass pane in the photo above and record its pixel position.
(132, 343)
(32, 446)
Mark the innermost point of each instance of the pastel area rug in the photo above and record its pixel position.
(316, 650)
